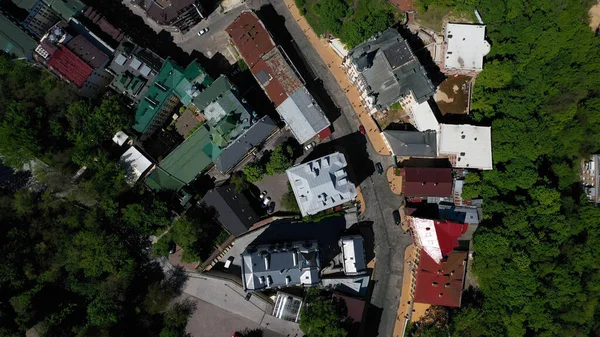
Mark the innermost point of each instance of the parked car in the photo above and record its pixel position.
(271, 208)
(228, 262)
(203, 31)
(379, 168)
(310, 145)
(396, 216)
(266, 202)
(172, 247)
(262, 195)
(362, 129)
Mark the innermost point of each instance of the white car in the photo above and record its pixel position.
(203, 31)
(262, 195)
(266, 202)
(310, 145)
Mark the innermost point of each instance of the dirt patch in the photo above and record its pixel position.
(394, 115)
(594, 15)
(452, 96)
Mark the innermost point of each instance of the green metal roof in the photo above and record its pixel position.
(171, 80)
(191, 157)
(159, 179)
(13, 39)
(25, 4)
(218, 87)
(66, 8)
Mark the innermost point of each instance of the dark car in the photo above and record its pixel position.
(271, 208)
(379, 168)
(396, 216)
(362, 129)
(172, 247)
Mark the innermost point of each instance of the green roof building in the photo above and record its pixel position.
(172, 85)
(14, 40)
(185, 163)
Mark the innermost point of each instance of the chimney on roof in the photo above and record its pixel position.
(447, 285)
(441, 294)
(435, 284)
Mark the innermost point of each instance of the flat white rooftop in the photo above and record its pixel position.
(135, 163)
(470, 145)
(423, 117)
(426, 235)
(321, 184)
(354, 254)
(465, 46)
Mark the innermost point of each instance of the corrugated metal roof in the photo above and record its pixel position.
(14, 40)
(441, 283)
(303, 115)
(70, 65)
(250, 37)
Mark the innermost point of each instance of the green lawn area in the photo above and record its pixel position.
(435, 16)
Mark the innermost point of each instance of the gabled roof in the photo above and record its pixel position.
(441, 283)
(427, 182)
(161, 180)
(13, 39)
(70, 65)
(234, 211)
(89, 53)
(355, 306)
(412, 143)
(437, 238)
(164, 11)
(303, 115)
(250, 37)
(135, 164)
(460, 214)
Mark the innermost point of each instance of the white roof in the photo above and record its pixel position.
(338, 46)
(471, 145)
(120, 59)
(353, 254)
(135, 163)
(423, 117)
(321, 184)
(465, 46)
(426, 236)
(303, 115)
(120, 138)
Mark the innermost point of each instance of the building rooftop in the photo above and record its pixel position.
(161, 180)
(135, 164)
(353, 252)
(427, 182)
(70, 66)
(441, 283)
(391, 70)
(287, 307)
(250, 37)
(459, 214)
(65, 8)
(234, 211)
(321, 184)
(438, 238)
(164, 11)
(355, 306)
(86, 51)
(303, 115)
(240, 147)
(423, 117)
(412, 143)
(465, 46)
(280, 265)
(14, 40)
(354, 285)
(468, 146)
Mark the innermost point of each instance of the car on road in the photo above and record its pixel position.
(262, 195)
(266, 202)
(228, 262)
(362, 129)
(203, 31)
(396, 216)
(310, 145)
(271, 208)
(379, 168)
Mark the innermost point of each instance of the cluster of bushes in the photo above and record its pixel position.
(276, 162)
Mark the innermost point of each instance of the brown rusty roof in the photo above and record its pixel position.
(250, 37)
(282, 71)
(272, 87)
(87, 51)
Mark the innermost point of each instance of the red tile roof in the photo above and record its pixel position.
(427, 182)
(440, 284)
(250, 37)
(356, 306)
(448, 234)
(282, 71)
(70, 66)
(323, 134)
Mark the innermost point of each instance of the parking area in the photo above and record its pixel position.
(275, 186)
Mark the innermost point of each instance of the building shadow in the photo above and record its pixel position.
(276, 26)
(423, 55)
(354, 148)
(373, 319)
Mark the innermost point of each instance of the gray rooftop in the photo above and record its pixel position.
(390, 69)
(460, 214)
(303, 115)
(412, 143)
(233, 209)
(280, 265)
(240, 147)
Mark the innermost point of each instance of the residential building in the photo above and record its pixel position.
(351, 285)
(185, 162)
(464, 47)
(120, 138)
(174, 14)
(436, 238)
(234, 211)
(411, 143)
(287, 307)
(441, 283)
(280, 265)
(278, 77)
(458, 199)
(98, 20)
(135, 164)
(321, 184)
(172, 86)
(43, 14)
(590, 177)
(134, 69)
(421, 116)
(466, 146)
(75, 58)
(426, 182)
(469, 215)
(14, 40)
(385, 71)
(353, 253)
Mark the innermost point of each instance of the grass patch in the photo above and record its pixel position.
(434, 16)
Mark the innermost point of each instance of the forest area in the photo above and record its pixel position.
(74, 261)
(537, 251)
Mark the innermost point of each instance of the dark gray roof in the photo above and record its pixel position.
(460, 214)
(390, 69)
(412, 143)
(233, 209)
(254, 136)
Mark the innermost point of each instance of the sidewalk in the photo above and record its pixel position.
(334, 62)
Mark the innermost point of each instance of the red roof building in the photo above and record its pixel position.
(437, 238)
(270, 84)
(70, 66)
(250, 37)
(427, 182)
(441, 283)
(87, 51)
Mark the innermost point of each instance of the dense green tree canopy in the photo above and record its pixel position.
(322, 315)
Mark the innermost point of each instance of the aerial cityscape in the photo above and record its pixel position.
(290, 168)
